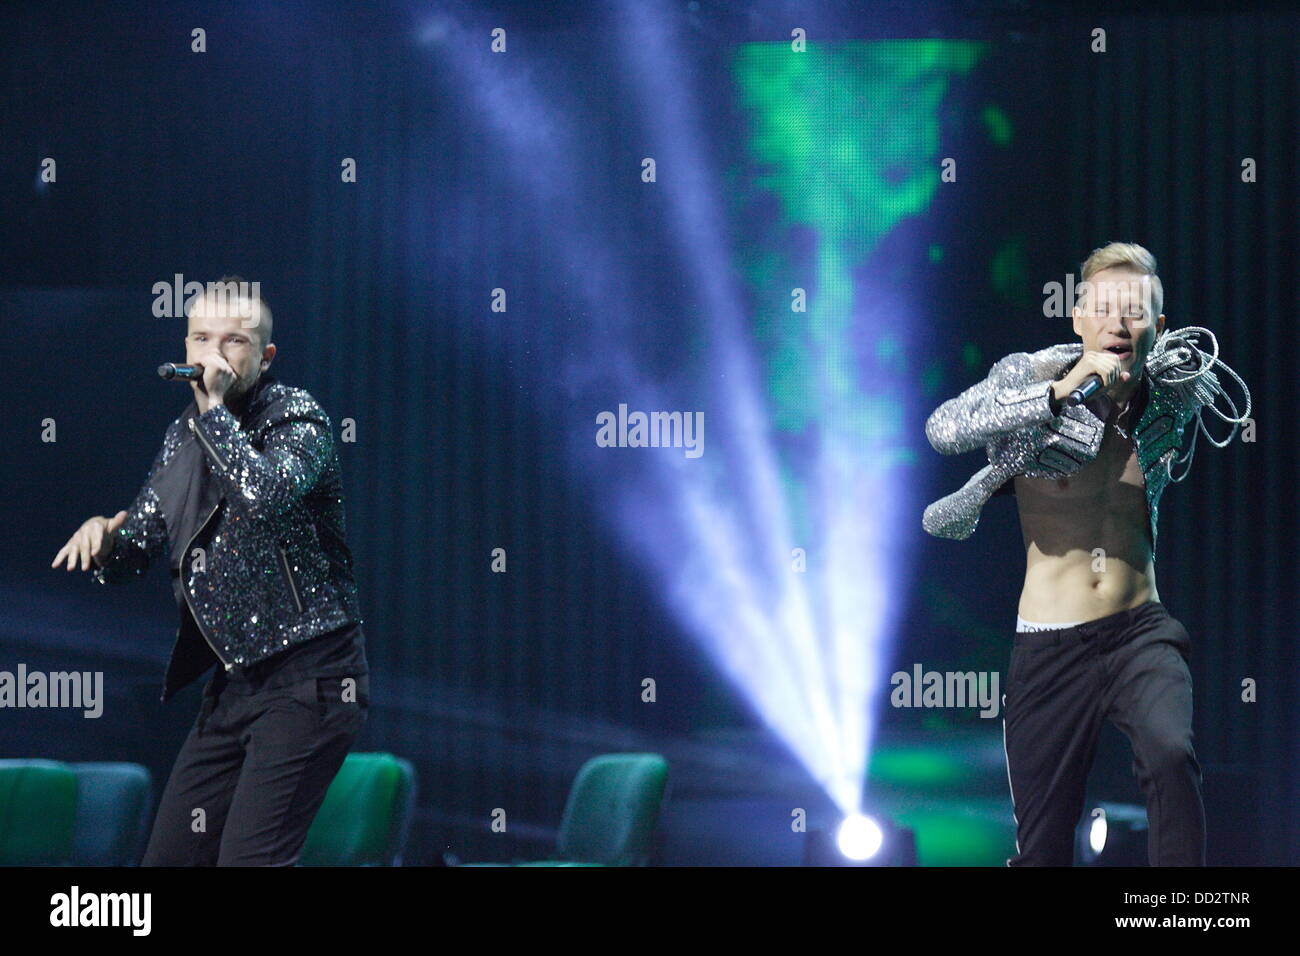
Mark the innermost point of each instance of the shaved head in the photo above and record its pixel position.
(234, 296)
(232, 317)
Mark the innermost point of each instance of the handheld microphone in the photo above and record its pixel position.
(184, 373)
(1085, 391)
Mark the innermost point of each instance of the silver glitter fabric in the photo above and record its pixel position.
(1009, 413)
(276, 568)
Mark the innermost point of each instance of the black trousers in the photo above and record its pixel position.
(1129, 668)
(253, 772)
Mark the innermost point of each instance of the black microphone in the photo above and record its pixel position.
(1085, 391)
(184, 373)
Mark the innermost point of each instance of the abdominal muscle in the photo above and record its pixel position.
(1064, 522)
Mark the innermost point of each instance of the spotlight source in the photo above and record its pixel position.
(859, 837)
(861, 840)
(1112, 834)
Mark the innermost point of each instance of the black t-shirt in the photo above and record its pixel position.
(340, 653)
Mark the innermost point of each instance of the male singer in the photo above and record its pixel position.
(246, 496)
(1093, 640)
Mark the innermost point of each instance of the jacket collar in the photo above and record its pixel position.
(258, 400)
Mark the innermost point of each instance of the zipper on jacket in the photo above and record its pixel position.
(184, 591)
(198, 433)
(288, 574)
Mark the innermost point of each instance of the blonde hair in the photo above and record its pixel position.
(1131, 256)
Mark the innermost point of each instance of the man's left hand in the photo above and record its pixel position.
(218, 376)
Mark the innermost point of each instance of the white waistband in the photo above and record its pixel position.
(1023, 625)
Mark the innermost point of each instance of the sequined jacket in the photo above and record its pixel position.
(1010, 414)
(268, 566)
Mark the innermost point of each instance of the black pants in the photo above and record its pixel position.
(257, 765)
(1130, 668)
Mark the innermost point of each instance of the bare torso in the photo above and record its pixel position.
(1064, 522)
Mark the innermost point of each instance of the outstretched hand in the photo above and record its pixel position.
(93, 541)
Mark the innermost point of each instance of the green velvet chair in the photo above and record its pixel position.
(38, 813)
(366, 814)
(114, 806)
(610, 816)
